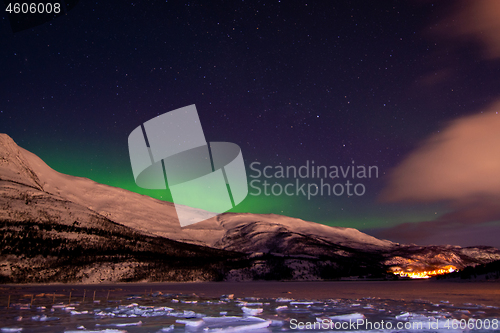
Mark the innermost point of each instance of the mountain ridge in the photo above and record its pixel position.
(132, 209)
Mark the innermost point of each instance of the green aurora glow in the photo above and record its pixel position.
(114, 169)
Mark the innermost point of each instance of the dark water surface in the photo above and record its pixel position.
(484, 292)
(255, 306)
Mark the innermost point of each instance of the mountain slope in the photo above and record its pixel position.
(45, 237)
(159, 217)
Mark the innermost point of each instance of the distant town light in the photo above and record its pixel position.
(423, 274)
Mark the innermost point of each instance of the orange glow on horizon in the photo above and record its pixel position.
(425, 274)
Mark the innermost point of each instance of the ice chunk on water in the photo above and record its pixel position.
(303, 303)
(221, 320)
(163, 308)
(421, 321)
(186, 314)
(404, 316)
(249, 304)
(78, 312)
(344, 317)
(166, 329)
(248, 324)
(410, 316)
(43, 318)
(139, 323)
(134, 310)
(284, 300)
(251, 311)
(134, 297)
(190, 322)
(108, 330)
(11, 329)
(228, 324)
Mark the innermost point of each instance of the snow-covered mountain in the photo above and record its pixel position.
(61, 215)
(157, 217)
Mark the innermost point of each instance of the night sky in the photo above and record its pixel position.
(387, 83)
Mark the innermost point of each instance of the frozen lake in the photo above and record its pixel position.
(378, 306)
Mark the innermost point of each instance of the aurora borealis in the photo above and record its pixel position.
(334, 82)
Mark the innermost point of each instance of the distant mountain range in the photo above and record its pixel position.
(61, 228)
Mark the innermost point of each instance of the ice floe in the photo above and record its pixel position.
(108, 330)
(344, 317)
(43, 318)
(227, 324)
(251, 311)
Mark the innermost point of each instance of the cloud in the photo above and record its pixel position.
(462, 162)
(476, 20)
(459, 166)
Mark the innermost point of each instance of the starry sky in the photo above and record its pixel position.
(395, 84)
